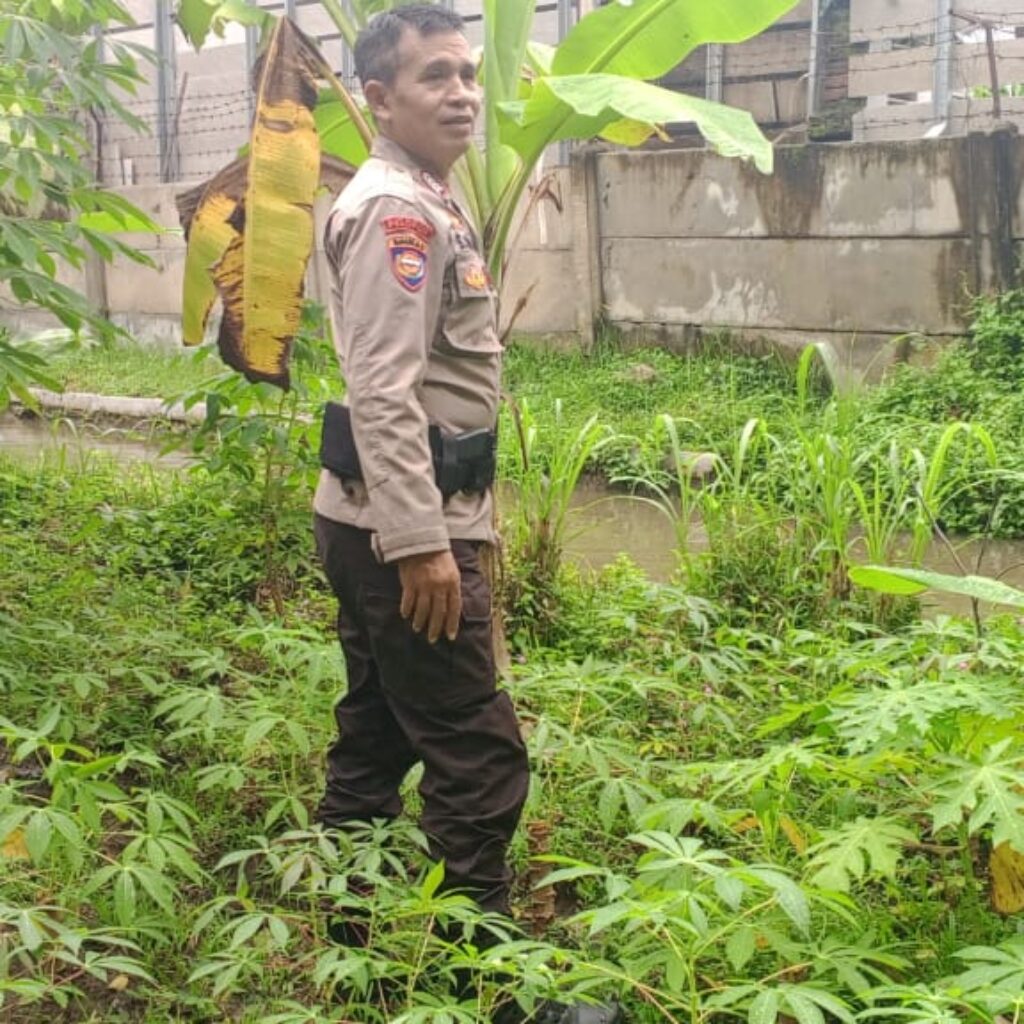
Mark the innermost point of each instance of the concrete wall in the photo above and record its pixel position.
(848, 241)
(859, 243)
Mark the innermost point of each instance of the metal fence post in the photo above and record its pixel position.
(943, 58)
(814, 62)
(163, 30)
(565, 19)
(251, 51)
(714, 85)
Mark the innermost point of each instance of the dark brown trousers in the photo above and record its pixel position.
(408, 701)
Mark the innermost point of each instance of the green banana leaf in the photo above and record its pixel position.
(584, 106)
(197, 18)
(339, 135)
(507, 26)
(647, 38)
(890, 580)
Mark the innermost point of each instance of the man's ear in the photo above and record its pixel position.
(376, 95)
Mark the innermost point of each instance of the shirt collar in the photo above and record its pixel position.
(387, 149)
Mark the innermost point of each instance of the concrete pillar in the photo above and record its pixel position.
(990, 182)
(584, 214)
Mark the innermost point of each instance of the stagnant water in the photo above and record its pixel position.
(604, 524)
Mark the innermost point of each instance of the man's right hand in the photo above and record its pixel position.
(431, 593)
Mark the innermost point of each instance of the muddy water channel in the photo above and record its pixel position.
(604, 523)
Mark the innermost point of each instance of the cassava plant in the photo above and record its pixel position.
(250, 229)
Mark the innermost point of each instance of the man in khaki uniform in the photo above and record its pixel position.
(414, 319)
(401, 517)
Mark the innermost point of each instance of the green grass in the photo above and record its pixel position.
(133, 370)
(705, 785)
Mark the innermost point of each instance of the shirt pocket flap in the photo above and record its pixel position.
(469, 322)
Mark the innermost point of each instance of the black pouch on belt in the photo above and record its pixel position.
(462, 462)
(337, 445)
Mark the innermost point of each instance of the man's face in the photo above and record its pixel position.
(431, 106)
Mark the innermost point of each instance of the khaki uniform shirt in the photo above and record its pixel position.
(415, 325)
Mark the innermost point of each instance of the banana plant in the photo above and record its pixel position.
(596, 84)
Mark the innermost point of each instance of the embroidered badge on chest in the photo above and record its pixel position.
(477, 277)
(407, 240)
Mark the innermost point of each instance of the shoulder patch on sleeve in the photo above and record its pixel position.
(407, 239)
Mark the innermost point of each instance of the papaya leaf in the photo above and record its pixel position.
(857, 849)
(987, 791)
(993, 970)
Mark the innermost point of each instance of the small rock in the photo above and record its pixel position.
(641, 373)
(701, 466)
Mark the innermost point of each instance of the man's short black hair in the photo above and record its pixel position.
(376, 50)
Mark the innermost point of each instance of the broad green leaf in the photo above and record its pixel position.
(38, 834)
(856, 849)
(804, 1009)
(338, 133)
(194, 17)
(999, 968)
(582, 106)
(893, 580)
(540, 57)
(197, 18)
(647, 38)
(740, 947)
(433, 881)
(506, 31)
(32, 936)
(988, 791)
(765, 1008)
(111, 224)
(790, 896)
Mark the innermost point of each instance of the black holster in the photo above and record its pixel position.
(462, 462)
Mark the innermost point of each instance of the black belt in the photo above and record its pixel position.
(462, 462)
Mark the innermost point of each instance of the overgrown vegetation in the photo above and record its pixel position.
(760, 793)
(738, 822)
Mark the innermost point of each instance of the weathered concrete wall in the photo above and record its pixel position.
(880, 239)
